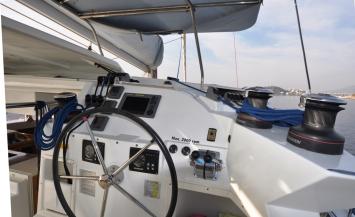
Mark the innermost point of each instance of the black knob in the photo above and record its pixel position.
(208, 158)
(173, 149)
(150, 112)
(195, 155)
(185, 150)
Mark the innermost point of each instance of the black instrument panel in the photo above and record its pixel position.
(147, 162)
(88, 153)
(142, 105)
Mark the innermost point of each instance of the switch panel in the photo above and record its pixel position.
(147, 162)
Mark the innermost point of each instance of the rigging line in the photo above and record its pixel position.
(56, 31)
(302, 44)
(172, 40)
(178, 70)
(235, 57)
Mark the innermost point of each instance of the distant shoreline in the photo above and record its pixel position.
(279, 91)
(348, 97)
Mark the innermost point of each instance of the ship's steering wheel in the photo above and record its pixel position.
(107, 179)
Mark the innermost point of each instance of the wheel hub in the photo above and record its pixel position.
(105, 181)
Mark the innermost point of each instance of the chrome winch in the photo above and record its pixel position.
(317, 133)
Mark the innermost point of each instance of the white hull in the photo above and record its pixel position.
(262, 176)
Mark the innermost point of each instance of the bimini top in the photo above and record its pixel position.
(157, 16)
(120, 23)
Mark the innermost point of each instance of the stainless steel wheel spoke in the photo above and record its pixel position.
(133, 199)
(96, 147)
(132, 159)
(103, 204)
(95, 178)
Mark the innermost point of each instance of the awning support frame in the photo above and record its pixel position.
(95, 37)
(192, 12)
(189, 7)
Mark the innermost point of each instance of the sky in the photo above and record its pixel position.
(268, 53)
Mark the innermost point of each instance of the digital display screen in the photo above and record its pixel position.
(135, 105)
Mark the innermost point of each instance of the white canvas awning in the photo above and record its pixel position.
(142, 51)
(130, 29)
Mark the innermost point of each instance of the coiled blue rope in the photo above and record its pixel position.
(279, 117)
(47, 142)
